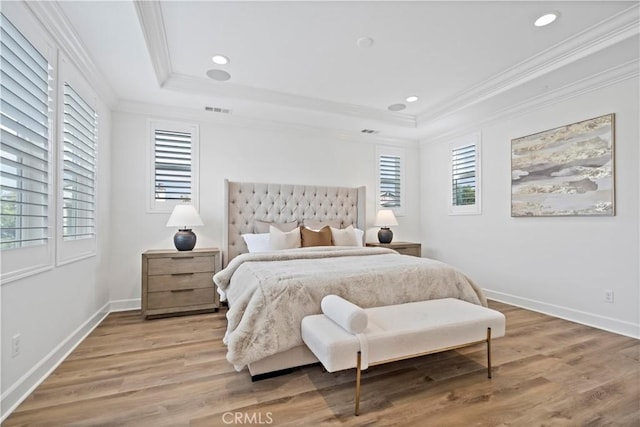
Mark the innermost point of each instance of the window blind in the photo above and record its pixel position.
(24, 144)
(390, 181)
(463, 175)
(79, 167)
(172, 154)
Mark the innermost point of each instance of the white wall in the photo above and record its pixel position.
(561, 266)
(239, 154)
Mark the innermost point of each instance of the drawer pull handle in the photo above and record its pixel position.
(181, 274)
(181, 257)
(182, 290)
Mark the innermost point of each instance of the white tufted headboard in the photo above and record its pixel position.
(247, 202)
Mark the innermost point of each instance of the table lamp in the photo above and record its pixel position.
(184, 216)
(384, 219)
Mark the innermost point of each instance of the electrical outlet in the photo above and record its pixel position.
(15, 345)
(608, 295)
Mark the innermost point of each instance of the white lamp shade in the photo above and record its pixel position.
(184, 216)
(385, 218)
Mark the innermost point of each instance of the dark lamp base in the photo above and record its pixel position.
(385, 235)
(185, 240)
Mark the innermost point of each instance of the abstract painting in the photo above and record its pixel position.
(566, 171)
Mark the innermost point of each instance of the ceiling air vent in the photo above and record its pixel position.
(218, 110)
(371, 131)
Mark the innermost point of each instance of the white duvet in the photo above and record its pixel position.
(269, 293)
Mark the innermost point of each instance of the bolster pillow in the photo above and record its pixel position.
(346, 314)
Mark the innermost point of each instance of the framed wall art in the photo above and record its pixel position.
(566, 171)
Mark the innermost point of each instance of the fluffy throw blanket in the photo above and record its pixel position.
(269, 293)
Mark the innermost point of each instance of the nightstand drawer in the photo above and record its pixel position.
(182, 298)
(410, 250)
(177, 265)
(168, 282)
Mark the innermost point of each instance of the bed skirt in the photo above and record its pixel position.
(292, 358)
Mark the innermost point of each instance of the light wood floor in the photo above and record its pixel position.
(173, 372)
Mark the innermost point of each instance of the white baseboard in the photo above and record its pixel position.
(621, 327)
(125, 305)
(22, 388)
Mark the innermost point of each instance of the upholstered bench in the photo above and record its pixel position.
(346, 336)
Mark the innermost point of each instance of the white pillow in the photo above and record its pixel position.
(284, 239)
(359, 236)
(344, 237)
(257, 242)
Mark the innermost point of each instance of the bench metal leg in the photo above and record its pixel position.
(358, 371)
(489, 352)
(359, 368)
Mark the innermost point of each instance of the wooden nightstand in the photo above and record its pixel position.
(405, 248)
(179, 282)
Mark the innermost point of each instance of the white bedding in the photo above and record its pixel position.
(269, 293)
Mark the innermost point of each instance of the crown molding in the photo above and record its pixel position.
(613, 75)
(244, 122)
(201, 85)
(57, 25)
(152, 24)
(606, 33)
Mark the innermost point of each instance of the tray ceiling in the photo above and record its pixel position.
(299, 62)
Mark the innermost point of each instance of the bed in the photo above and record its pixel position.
(270, 292)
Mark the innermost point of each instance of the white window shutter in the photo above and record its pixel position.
(390, 173)
(79, 167)
(464, 178)
(390, 181)
(24, 152)
(172, 165)
(463, 175)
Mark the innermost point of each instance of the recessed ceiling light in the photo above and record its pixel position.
(220, 59)
(219, 75)
(396, 107)
(411, 98)
(364, 42)
(546, 19)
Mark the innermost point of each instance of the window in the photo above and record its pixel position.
(173, 175)
(465, 175)
(172, 165)
(391, 184)
(78, 167)
(389, 181)
(25, 141)
(25, 155)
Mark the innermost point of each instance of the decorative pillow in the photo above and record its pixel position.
(316, 225)
(344, 237)
(316, 238)
(359, 236)
(283, 239)
(257, 242)
(263, 226)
